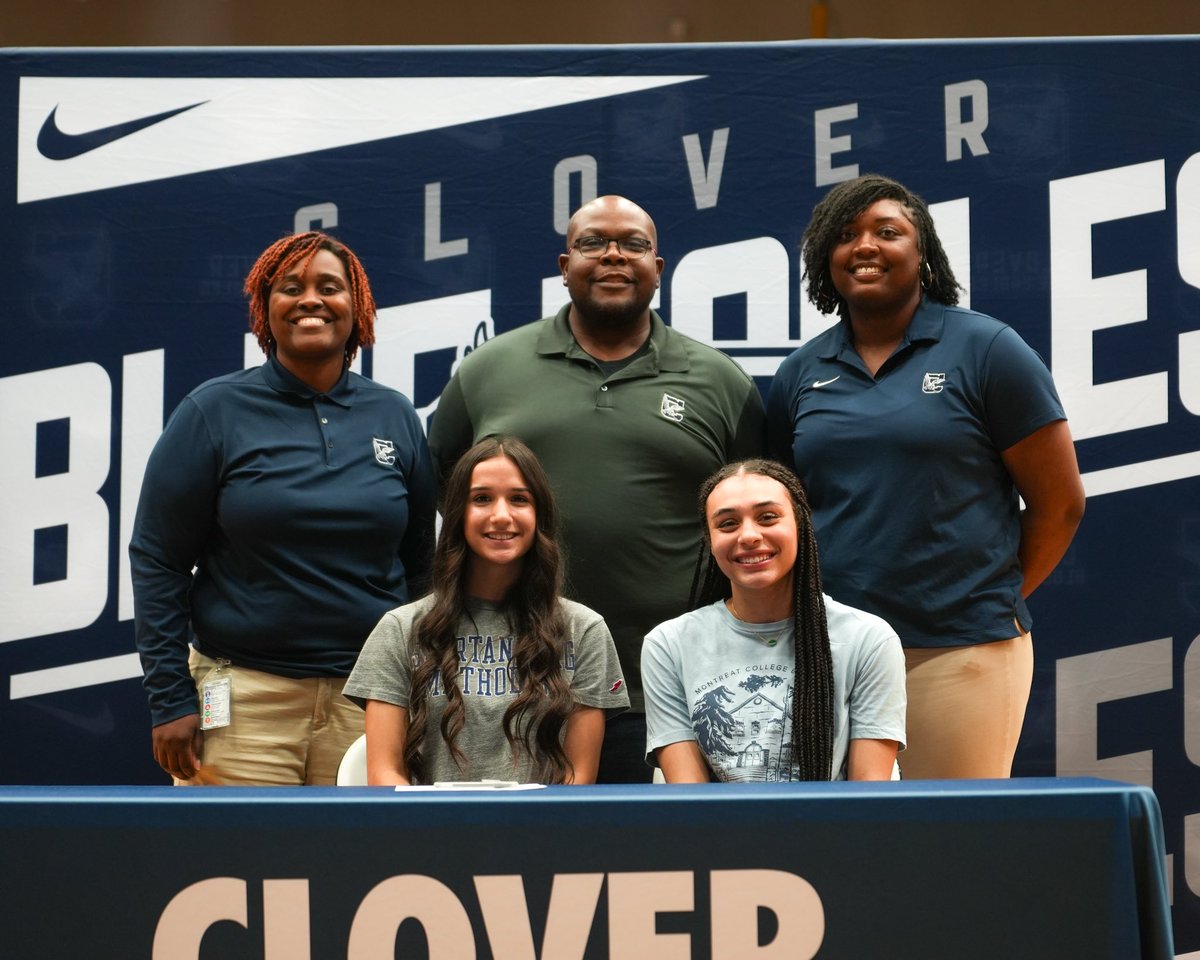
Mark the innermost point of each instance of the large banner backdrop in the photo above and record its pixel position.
(137, 187)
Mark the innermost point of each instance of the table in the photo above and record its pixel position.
(972, 869)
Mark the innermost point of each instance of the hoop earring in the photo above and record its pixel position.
(926, 276)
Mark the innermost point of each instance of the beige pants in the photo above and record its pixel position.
(282, 732)
(966, 706)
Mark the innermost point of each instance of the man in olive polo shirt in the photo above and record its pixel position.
(628, 417)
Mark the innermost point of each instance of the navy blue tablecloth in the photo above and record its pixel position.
(982, 869)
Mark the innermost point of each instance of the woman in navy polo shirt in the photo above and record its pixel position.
(915, 425)
(284, 509)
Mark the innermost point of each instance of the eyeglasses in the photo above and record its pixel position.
(633, 248)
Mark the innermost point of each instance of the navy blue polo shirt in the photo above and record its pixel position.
(916, 516)
(306, 517)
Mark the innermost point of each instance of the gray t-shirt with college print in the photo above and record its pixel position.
(727, 684)
(487, 678)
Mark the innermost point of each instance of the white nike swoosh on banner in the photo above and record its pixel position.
(251, 119)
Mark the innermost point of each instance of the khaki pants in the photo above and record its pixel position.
(966, 706)
(283, 731)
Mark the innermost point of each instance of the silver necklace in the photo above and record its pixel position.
(770, 639)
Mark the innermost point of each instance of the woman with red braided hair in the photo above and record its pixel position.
(284, 509)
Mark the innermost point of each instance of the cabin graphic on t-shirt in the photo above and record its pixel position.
(751, 739)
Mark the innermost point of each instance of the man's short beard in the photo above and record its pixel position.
(615, 317)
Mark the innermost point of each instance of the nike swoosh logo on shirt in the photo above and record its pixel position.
(53, 144)
(818, 384)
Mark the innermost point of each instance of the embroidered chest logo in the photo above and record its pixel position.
(672, 408)
(933, 383)
(385, 451)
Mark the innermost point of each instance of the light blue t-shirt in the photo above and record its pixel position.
(727, 684)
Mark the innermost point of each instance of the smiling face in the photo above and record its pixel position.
(311, 315)
(752, 532)
(876, 263)
(611, 290)
(500, 521)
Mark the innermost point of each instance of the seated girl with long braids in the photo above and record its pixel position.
(493, 675)
(768, 678)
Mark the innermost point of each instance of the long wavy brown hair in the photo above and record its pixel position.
(534, 720)
(812, 695)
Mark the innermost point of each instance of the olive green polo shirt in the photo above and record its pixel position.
(626, 454)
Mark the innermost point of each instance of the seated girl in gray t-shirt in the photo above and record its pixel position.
(730, 693)
(493, 675)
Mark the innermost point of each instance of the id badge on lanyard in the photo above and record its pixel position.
(215, 697)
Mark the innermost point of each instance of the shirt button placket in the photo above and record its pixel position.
(323, 426)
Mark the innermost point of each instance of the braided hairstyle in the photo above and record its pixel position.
(299, 249)
(544, 702)
(839, 207)
(812, 695)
